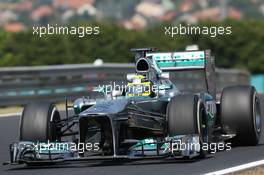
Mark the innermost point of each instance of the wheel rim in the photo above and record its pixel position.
(200, 122)
(199, 113)
(257, 116)
(54, 131)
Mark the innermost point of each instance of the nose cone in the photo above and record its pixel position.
(106, 107)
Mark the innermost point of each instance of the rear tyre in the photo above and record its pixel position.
(38, 122)
(240, 114)
(186, 115)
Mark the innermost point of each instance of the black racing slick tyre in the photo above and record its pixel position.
(186, 115)
(38, 122)
(240, 114)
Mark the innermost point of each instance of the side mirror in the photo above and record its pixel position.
(130, 77)
(165, 75)
(116, 93)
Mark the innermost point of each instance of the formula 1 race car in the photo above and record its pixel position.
(148, 118)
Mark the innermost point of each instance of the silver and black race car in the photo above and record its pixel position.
(147, 118)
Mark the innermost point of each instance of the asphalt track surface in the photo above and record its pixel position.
(221, 160)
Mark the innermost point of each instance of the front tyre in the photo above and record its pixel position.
(186, 116)
(39, 122)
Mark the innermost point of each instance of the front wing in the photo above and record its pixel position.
(30, 153)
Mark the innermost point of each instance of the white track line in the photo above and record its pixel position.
(237, 168)
(10, 114)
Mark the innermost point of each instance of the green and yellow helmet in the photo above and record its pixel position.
(140, 86)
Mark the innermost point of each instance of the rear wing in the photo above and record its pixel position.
(170, 61)
(182, 61)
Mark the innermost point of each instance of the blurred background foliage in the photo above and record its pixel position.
(242, 49)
